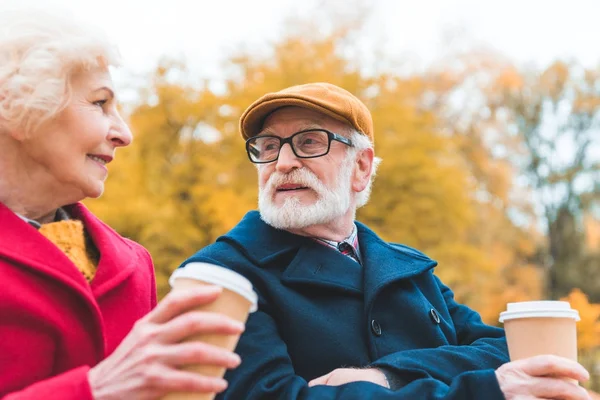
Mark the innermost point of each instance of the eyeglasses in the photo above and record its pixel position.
(310, 143)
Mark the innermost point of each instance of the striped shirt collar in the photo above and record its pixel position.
(351, 240)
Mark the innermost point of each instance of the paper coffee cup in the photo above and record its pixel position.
(236, 301)
(540, 327)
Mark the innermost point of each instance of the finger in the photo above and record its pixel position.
(197, 353)
(179, 301)
(161, 378)
(197, 322)
(321, 380)
(553, 388)
(555, 366)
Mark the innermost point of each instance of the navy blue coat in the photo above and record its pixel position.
(319, 310)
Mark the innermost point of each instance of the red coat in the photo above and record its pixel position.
(54, 326)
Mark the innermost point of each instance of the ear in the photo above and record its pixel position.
(363, 167)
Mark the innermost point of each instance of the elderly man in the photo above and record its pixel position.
(342, 313)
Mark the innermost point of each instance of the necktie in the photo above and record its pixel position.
(347, 249)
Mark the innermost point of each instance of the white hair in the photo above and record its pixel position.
(362, 142)
(39, 53)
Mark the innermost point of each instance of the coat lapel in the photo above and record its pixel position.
(118, 259)
(385, 263)
(318, 265)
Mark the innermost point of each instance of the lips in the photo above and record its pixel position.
(100, 158)
(290, 187)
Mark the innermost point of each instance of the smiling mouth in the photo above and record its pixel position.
(98, 159)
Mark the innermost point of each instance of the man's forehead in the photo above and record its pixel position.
(298, 118)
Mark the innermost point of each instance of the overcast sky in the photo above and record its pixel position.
(206, 31)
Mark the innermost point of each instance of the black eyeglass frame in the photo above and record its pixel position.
(330, 136)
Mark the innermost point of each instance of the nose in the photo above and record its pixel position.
(287, 160)
(120, 134)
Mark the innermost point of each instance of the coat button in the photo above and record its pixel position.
(435, 317)
(376, 328)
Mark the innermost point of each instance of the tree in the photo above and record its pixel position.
(555, 115)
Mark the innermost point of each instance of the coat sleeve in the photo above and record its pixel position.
(71, 385)
(266, 372)
(479, 347)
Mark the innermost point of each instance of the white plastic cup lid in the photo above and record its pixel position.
(219, 276)
(539, 309)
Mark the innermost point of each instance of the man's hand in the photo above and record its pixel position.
(341, 376)
(542, 377)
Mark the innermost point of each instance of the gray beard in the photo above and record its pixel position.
(331, 204)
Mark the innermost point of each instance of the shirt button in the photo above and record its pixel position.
(435, 317)
(376, 328)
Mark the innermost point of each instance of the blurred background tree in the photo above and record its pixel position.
(555, 115)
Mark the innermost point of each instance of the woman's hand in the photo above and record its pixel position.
(145, 365)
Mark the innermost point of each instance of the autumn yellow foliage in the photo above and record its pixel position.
(588, 329)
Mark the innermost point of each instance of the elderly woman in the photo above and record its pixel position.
(76, 305)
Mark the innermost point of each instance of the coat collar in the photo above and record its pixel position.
(23, 244)
(315, 264)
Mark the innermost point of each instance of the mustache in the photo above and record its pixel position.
(301, 176)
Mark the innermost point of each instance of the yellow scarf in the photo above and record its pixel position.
(72, 239)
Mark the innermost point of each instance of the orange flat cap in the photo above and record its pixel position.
(325, 98)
